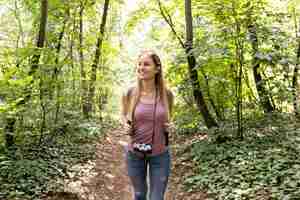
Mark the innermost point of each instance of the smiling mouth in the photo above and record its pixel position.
(142, 73)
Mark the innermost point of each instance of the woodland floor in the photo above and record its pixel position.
(106, 177)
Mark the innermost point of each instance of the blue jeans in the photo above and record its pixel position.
(159, 170)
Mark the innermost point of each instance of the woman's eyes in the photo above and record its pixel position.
(145, 64)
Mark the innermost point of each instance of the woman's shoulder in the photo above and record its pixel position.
(128, 91)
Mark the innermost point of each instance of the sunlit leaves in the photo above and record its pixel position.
(136, 18)
(294, 6)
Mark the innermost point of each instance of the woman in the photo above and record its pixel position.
(146, 111)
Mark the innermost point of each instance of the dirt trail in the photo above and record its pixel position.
(106, 178)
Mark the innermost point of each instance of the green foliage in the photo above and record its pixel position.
(32, 170)
(136, 17)
(267, 160)
(50, 134)
(187, 120)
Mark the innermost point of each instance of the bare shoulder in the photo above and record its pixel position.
(128, 91)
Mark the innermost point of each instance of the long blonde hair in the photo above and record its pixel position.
(160, 86)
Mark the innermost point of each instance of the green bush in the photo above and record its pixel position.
(263, 161)
(187, 120)
(31, 168)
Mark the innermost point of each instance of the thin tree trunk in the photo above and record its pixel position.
(84, 85)
(72, 64)
(240, 88)
(259, 83)
(41, 36)
(40, 44)
(197, 93)
(254, 99)
(20, 36)
(239, 54)
(238, 91)
(18, 18)
(91, 92)
(193, 73)
(169, 21)
(34, 65)
(219, 116)
(43, 114)
(295, 76)
(57, 70)
(295, 82)
(11, 120)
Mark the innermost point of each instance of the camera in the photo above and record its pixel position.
(143, 148)
(140, 147)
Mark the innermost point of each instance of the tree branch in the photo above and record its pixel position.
(168, 19)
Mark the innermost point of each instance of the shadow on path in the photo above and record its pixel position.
(106, 177)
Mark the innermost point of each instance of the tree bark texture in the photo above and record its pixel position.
(259, 83)
(295, 76)
(193, 73)
(84, 83)
(57, 70)
(168, 20)
(295, 81)
(41, 36)
(220, 116)
(91, 92)
(34, 62)
(197, 93)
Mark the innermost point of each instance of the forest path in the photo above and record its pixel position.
(106, 177)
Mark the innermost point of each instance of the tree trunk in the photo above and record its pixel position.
(197, 93)
(34, 66)
(295, 76)
(74, 104)
(239, 86)
(41, 36)
(259, 83)
(35, 61)
(20, 37)
(57, 70)
(220, 116)
(239, 62)
(91, 92)
(84, 88)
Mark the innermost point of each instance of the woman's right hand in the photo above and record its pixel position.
(127, 126)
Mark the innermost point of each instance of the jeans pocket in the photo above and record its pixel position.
(133, 155)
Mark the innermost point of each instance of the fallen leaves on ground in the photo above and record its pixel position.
(106, 177)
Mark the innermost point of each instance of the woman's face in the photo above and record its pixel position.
(146, 68)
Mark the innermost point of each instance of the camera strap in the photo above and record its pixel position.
(154, 116)
(143, 155)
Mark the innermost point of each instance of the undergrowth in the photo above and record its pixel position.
(265, 165)
(32, 168)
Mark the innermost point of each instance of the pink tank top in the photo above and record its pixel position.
(143, 126)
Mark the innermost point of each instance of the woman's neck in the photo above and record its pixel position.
(148, 86)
